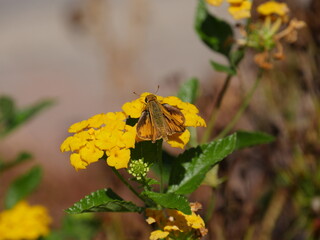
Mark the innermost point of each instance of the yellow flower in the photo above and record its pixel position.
(135, 108)
(240, 9)
(174, 222)
(101, 134)
(215, 2)
(118, 158)
(24, 222)
(158, 234)
(272, 7)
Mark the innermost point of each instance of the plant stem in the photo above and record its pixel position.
(216, 108)
(210, 209)
(243, 106)
(126, 183)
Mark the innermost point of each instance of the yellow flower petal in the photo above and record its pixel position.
(90, 153)
(240, 11)
(77, 162)
(234, 2)
(272, 7)
(214, 2)
(158, 234)
(194, 221)
(150, 220)
(97, 120)
(118, 158)
(79, 126)
(133, 108)
(179, 140)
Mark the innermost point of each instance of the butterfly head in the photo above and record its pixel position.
(150, 97)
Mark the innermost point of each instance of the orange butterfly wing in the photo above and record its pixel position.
(174, 119)
(146, 129)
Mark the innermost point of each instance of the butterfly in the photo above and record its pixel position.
(159, 120)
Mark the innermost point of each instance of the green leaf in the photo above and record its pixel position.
(76, 227)
(21, 158)
(170, 200)
(11, 118)
(215, 33)
(191, 167)
(23, 186)
(104, 200)
(248, 139)
(188, 91)
(223, 68)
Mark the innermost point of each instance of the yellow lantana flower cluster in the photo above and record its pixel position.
(108, 134)
(239, 9)
(174, 224)
(24, 222)
(101, 134)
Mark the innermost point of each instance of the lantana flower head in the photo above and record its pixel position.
(173, 223)
(24, 222)
(101, 134)
(110, 135)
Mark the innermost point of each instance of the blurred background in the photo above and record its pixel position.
(89, 56)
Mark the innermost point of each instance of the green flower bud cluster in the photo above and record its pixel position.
(138, 169)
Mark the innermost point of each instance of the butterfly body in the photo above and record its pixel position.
(159, 120)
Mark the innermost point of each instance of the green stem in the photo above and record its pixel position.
(210, 209)
(126, 183)
(216, 108)
(242, 108)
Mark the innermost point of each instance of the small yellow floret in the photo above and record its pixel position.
(118, 158)
(214, 2)
(158, 234)
(79, 126)
(272, 7)
(240, 10)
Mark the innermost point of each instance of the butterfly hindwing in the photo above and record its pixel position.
(174, 119)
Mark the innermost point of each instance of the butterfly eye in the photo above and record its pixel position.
(146, 99)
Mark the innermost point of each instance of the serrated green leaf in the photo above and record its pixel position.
(104, 200)
(23, 186)
(11, 118)
(215, 33)
(248, 139)
(21, 158)
(170, 200)
(151, 181)
(188, 91)
(223, 68)
(191, 167)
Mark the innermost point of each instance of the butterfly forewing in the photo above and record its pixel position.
(144, 126)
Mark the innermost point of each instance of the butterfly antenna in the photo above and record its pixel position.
(157, 89)
(136, 94)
